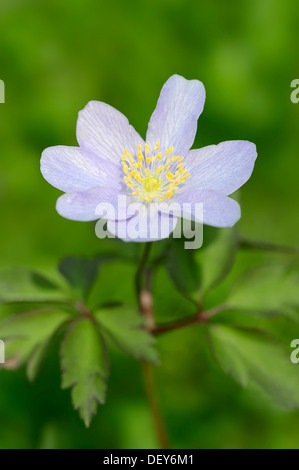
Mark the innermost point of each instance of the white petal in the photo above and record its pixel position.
(223, 167)
(174, 121)
(207, 207)
(72, 169)
(91, 205)
(143, 226)
(106, 132)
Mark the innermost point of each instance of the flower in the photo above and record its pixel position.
(112, 160)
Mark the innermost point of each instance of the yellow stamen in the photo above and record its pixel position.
(150, 180)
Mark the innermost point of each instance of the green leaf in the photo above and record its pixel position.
(253, 356)
(113, 285)
(84, 367)
(217, 258)
(26, 332)
(25, 285)
(124, 325)
(182, 269)
(36, 359)
(82, 272)
(269, 290)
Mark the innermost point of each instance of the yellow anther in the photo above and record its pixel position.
(167, 168)
(146, 146)
(180, 165)
(169, 194)
(139, 147)
(157, 145)
(146, 170)
(161, 198)
(180, 159)
(159, 156)
(169, 151)
(139, 155)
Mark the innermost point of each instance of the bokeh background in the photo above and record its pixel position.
(55, 56)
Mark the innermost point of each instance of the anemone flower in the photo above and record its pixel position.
(113, 162)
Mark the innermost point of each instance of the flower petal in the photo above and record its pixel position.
(144, 226)
(217, 210)
(106, 132)
(92, 205)
(72, 169)
(223, 167)
(174, 121)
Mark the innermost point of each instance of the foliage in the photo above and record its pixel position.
(245, 353)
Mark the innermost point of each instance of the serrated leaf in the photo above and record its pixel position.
(182, 268)
(217, 258)
(82, 272)
(25, 332)
(252, 356)
(124, 325)
(84, 367)
(271, 289)
(24, 285)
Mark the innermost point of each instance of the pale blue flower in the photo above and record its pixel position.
(112, 159)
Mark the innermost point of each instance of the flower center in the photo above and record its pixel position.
(154, 176)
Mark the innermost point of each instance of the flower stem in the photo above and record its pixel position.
(141, 269)
(144, 297)
(199, 317)
(148, 375)
(142, 283)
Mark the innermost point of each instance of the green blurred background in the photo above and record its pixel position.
(55, 57)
